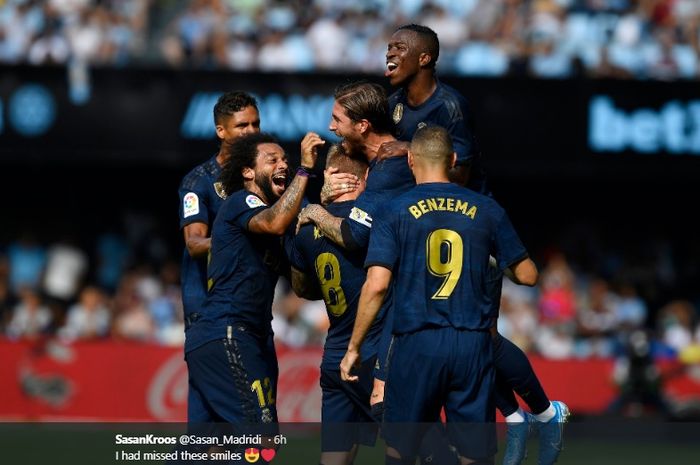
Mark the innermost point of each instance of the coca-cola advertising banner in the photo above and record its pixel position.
(130, 382)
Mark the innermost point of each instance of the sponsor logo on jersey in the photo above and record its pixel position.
(398, 113)
(361, 217)
(219, 189)
(190, 204)
(254, 201)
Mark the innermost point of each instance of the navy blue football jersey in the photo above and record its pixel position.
(437, 239)
(447, 108)
(340, 275)
(201, 196)
(386, 180)
(242, 273)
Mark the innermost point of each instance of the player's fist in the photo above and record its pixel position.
(309, 149)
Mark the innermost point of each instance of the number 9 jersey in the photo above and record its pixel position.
(437, 239)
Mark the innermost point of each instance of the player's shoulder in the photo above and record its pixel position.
(451, 99)
(200, 174)
(396, 96)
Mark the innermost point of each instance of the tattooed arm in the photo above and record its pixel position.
(276, 219)
(328, 224)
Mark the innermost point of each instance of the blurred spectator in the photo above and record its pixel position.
(30, 317)
(132, 319)
(676, 322)
(89, 318)
(66, 267)
(27, 259)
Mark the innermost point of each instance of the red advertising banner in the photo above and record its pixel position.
(124, 381)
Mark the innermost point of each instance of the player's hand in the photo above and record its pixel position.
(395, 148)
(350, 361)
(306, 215)
(336, 184)
(309, 149)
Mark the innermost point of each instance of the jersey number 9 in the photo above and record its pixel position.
(444, 256)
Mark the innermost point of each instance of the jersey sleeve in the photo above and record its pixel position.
(358, 223)
(193, 203)
(457, 124)
(508, 248)
(245, 207)
(383, 243)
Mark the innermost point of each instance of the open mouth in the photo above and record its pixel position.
(280, 180)
(390, 68)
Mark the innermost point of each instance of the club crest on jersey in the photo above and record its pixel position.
(254, 201)
(361, 217)
(422, 124)
(398, 113)
(190, 204)
(219, 189)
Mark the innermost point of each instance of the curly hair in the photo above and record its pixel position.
(242, 154)
(232, 102)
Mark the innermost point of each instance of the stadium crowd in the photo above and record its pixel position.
(654, 39)
(119, 290)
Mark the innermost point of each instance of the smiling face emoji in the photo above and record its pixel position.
(252, 455)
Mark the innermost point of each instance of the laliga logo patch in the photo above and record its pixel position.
(254, 201)
(251, 455)
(398, 113)
(361, 217)
(190, 204)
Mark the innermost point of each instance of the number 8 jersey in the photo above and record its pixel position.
(437, 239)
(340, 274)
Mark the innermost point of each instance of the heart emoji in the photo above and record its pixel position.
(268, 454)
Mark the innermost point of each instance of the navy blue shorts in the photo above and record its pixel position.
(346, 417)
(440, 368)
(233, 380)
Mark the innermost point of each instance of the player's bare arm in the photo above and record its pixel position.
(328, 224)
(196, 239)
(276, 219)
(336, 184)
(523, 272)
(305, 286)
(371, 298)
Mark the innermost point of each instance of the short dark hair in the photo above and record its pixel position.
(232, 102)
(428, 38)
(242, 154)
(365, 100)
(346, 163)
(432, 144)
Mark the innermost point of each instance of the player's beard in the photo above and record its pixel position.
(264, 183)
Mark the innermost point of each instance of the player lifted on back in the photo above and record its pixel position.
(435, 242)
(320, 263)
(422, 99)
